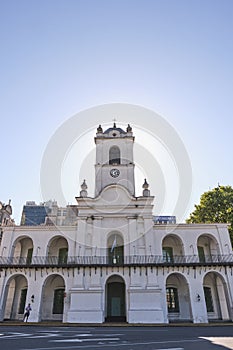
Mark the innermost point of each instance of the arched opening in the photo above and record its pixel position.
(58, 250)
(115, 299)
(115, 247)
(216, 297)
(172, 247)
(208, 249)
(15, 298)
(22, 250)
(52, 303)
(114, 155)
(178, 298)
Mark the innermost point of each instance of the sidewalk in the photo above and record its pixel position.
(112, 324)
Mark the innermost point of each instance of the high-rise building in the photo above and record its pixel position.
(34, 214)
(48, 213)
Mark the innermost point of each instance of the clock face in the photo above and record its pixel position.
(114, 172)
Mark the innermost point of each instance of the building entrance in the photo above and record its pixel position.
(115, 290)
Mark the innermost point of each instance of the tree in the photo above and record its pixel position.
(215, 206)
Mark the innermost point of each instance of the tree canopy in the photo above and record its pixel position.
(216, 206)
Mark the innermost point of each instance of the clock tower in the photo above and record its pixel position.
(114, 158)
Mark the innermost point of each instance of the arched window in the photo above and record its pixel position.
(115, 249)
(114, 155)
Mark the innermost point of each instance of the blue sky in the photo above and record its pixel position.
(59, 57)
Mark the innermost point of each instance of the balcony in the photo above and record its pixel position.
(133, 260)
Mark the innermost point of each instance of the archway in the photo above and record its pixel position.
(15, 296)
(172, 247)
(52, 303)
(115, 299)
(178, 298)
(208, 248)
(58, 250)
(216, 296)
(22, 250)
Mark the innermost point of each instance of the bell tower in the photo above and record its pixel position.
(114, 158)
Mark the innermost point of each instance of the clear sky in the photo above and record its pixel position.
(59, 57)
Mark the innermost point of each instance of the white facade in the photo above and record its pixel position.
(116, 264)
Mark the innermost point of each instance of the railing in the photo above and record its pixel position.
(132, 260)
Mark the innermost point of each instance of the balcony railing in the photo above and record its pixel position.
(132, 260)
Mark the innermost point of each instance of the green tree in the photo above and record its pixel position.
(215, 206)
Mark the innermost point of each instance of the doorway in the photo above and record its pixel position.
(115, 300)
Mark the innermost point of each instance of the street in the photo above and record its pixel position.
(31, 337)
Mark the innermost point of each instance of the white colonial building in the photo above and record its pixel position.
(116, 263)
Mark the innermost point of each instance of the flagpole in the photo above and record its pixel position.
(113, 250)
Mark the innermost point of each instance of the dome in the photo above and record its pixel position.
(114, 129)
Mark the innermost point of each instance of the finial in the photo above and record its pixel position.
(145, 185)
(114, 123)
(99, 129)
(84, 185)
(145, 192)
(83, 192)
(129, 129)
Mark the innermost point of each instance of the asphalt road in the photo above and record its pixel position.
(28, 337)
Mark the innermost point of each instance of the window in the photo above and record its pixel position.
(172, 299)
(29, 256)
(22, 301)
(208, 299)
(58, 301)
(62, 255)
(201, 254)
(114, 155)
(117, 255)
(168, 254)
